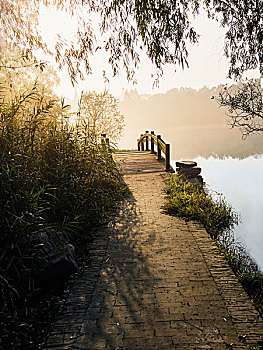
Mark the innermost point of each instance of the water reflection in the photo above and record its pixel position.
(241, 182)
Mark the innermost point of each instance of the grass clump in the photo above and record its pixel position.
(194, 202)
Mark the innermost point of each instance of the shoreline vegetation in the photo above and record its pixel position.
(56, 177)
(58, 183)
(194, 202)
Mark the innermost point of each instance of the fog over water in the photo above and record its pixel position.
(241, 182)
(197, 128)
(187, 119)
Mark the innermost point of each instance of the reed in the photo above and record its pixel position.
(53, 174)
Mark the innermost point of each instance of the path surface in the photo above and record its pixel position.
(155, 282)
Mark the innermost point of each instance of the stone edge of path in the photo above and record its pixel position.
(246, 318)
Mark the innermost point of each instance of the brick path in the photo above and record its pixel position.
(155, 282)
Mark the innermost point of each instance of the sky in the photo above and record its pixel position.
(208, 66)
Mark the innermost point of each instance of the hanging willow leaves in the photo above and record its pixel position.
(162, 28)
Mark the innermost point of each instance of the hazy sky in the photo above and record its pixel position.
(208, 66)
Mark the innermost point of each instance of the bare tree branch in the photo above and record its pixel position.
(244, 103)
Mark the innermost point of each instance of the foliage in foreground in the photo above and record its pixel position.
(218, 218)
(162, 29)
(52, 175)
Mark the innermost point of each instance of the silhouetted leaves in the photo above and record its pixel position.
(244, 103)
(162, 28)
(244, 36)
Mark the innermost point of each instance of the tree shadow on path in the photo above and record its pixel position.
(124, 312)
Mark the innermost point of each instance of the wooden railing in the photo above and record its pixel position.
(147, 141)
(105, 140)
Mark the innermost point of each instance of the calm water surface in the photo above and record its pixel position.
(241, 182)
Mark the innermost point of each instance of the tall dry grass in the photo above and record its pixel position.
(53, 174)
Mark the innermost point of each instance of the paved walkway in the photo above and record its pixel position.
(155, 282)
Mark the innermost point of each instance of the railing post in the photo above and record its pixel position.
(159, 155)
(142, 144)
(146, 142)
(167, 157)
(152, 142)
(103, 136)
(138, 144)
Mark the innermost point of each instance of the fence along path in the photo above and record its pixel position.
(155, 281)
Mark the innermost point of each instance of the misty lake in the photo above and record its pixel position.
(241, 183)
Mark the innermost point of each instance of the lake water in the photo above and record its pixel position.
(241, 182)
